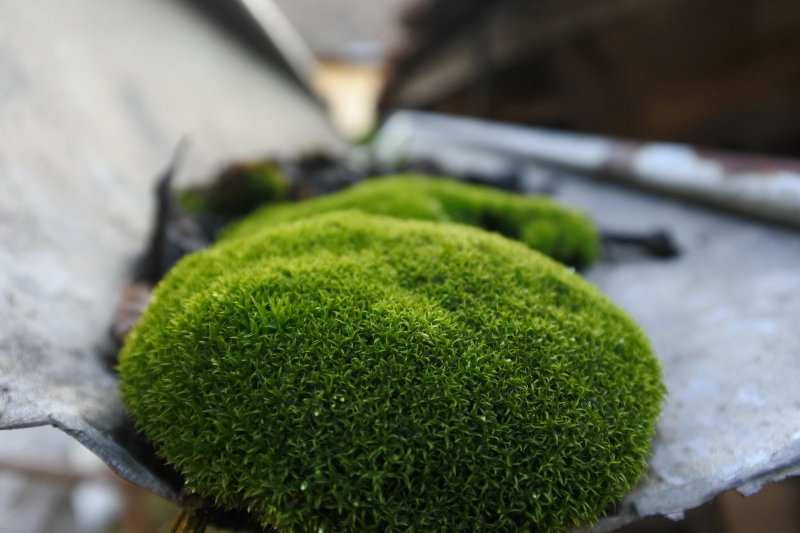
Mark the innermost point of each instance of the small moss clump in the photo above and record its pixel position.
(541, 223)
(239, 188)
(352, 372)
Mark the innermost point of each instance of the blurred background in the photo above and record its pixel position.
(719, 74)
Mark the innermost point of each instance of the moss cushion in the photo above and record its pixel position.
(542, 223)
(351, 372)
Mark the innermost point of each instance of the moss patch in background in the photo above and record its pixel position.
(351, 372)
(543, 224)
(239, 189)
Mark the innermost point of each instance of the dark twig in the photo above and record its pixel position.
(174, 233)
(657, 244)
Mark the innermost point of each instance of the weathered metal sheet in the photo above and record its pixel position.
(723, 320)
(764, 187)
(94, 96)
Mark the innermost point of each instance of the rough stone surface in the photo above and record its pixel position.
(94, 97)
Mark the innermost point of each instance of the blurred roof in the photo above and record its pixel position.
(350, 30)
(706, 72)
(262, 28)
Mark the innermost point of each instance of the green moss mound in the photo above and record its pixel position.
(351, 372)
(541, 223)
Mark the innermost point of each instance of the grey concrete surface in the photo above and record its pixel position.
(94, 97)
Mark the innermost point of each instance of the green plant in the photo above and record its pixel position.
(239, 188)
(352, 372)
(541, 223)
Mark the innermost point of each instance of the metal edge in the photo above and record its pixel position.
(763, 187)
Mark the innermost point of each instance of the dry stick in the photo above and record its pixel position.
(190, 520)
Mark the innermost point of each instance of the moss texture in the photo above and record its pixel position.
(541, 223)
(351, 372)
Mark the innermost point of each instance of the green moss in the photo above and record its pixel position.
(351, 372)
(239, 189)
(541, 223)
